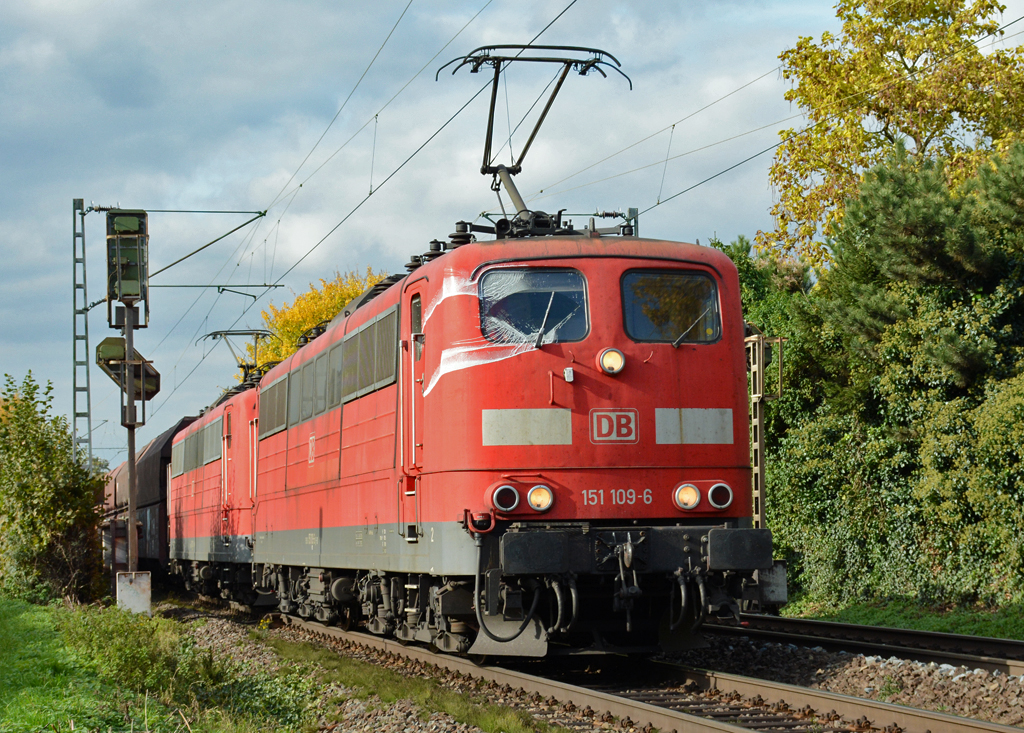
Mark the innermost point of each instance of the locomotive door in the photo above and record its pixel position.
(411, 374)
(227, 482)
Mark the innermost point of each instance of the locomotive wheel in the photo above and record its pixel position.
(346, 617)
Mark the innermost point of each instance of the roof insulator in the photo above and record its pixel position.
(461, 235)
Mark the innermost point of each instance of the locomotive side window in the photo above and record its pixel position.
(387, 349)
(272, 408)
(533, 306)
(198, 448)
(320, 398)
(670, 306)
(367, 342)
(307, 390)
(178, 459)
(211, 439)
(294, 397)
(335, 374)
(370, 355)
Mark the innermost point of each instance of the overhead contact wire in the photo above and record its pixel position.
(833, 116)
(343, 104)
(386, 104)
(359, 205)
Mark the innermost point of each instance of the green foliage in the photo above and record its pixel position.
(49, 546)
(151, 659)
(907, 72)
(894, 460)
(131, 650)
(89, 668)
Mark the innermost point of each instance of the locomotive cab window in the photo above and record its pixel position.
(670, 306)
(533, 306)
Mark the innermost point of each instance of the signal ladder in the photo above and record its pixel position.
(82, 438)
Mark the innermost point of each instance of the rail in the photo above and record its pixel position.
(1004, 655)
(695, 701)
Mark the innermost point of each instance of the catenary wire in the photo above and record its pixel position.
(665, 160)
(353, 211)
(683, 119)
(343, 104)
(393, 98)
(834, 114)
(291, 195)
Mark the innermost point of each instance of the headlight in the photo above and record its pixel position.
(686, 496)
(505, 498)
(540, 498)
(611, 361)
(720, 496)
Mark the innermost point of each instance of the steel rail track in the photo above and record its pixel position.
(1004, 655)
(695, 702)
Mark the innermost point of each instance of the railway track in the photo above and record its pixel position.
(1004, 655)
(670, 698)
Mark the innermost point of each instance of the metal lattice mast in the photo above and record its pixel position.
(80, 348)
(759, 356)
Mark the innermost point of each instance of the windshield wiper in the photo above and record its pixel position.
(675, 344)
(540, 333)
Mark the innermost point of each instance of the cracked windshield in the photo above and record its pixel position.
(533, 306)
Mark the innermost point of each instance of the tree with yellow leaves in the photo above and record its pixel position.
(290, 321)
(910, 71)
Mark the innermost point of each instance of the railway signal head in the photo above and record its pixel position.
(127, 260)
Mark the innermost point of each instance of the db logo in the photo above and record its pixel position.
(613, 426)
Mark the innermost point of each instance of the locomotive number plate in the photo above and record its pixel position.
(614, 426)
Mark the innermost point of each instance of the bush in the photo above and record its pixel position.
(152, 656)
(49, 541)
(894, 458)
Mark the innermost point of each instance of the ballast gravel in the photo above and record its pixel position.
(972, 693)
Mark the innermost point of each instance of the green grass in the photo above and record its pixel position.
(1006, 622)
(390, 686)
(42, 686)
(104, 669)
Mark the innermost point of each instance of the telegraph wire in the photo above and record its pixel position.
(196, 211)
(545, 28)
(413, 155)
(325, 237)
(259, 215)
(665, 160)
(292, 194)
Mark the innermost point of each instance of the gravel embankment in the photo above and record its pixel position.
(971, 693)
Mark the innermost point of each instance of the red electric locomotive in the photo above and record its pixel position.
(524, 445)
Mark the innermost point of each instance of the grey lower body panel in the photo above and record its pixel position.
(232, 548)
(445, 548)
(440, 548)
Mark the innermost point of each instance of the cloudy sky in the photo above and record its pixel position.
(229, 106)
